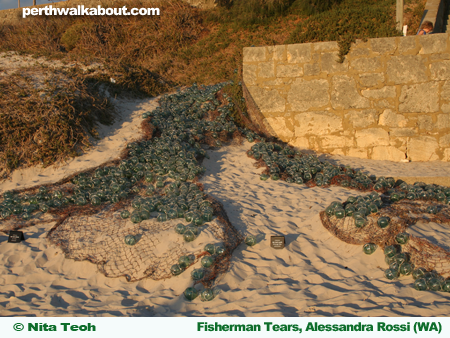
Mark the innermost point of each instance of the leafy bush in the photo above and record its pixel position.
(350, 21)
(310, 7)
(72, 35)
(245, 13)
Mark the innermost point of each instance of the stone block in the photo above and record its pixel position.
(266, 69)
(419, 98)
(358, 52)
(279, 53)
(403, 132)
(444, 141)
(445, 91)
(306, 94)
(383, 45)
(407, 44)
(289, 71)
(268, 83)
(445, 108)
(422, 148)
(440, 70)
(335, 141)
(361, 118)
(249, 74)
(440, 57)
(311, 69)
(383, 104)
(433, 43)
(387, 153)
(425, 122)
(371, 79)
(300, 142)
(299, 53)
(382, 93)
(276, 82)
(254, 54)
(330, 65)
(344, 94)
(268, 101)
(325, 46)
(372, 137)
(357, 152)
(317, 123)
(407, 69)
(366, 64)
(443, 121)
(277, 127)
(391, 119)
(337, 152)
(398, 143)
(446, 155)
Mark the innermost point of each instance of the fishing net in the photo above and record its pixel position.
(97, 234)
(99, 238)
(400, 203)
(402, 215)
(143, 215)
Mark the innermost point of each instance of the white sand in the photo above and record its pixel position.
(11, 62)
(315, 275)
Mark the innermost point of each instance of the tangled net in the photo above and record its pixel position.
(384, 220)
(402, 215)
(158, 248)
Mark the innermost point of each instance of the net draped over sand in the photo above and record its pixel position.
(99, 238)
(402, 214)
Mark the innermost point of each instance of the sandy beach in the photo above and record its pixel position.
(316, 274)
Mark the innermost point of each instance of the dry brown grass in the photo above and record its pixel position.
(179, 47)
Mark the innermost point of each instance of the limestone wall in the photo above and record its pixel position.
(14, 16)
(389, 100)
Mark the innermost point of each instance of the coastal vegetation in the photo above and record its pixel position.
(151, 55)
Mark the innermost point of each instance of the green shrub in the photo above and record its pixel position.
(72, 35)
(245, 13)
(350, 21)
(234, 91)
(310, 7)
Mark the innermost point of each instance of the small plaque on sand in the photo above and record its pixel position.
(16, 237)
(277, 242)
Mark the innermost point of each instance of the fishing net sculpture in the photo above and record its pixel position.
(380, 218)
(384, 220)
(125, 215)
(149, 248)
(144, 215)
